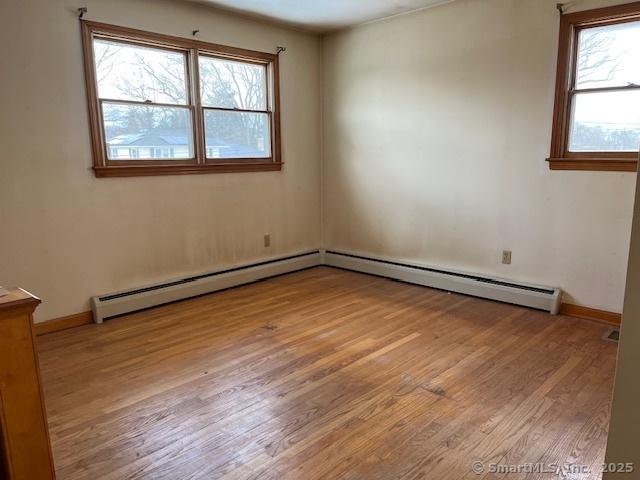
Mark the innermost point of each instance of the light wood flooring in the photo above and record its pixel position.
(327, 374)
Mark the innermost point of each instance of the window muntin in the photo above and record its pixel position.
(167, 104)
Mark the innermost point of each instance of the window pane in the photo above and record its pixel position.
(147, 132)
(237, 134)
(225, 83)
(132, 72)
(609, 56)
(605, 122)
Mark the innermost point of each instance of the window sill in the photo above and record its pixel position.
(593, 164)
(151, 170)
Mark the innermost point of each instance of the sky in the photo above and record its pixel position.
(623, 42)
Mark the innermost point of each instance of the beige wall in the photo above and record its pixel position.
(436, 126)
(436, 129)
(624, 431)
(66, 235)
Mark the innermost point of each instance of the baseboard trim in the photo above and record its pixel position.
(588, 313)
(568, 309)
(63, 323)
(127, 301)
(502, 290)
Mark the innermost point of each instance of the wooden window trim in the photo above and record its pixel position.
(103, 167)
(560, 157)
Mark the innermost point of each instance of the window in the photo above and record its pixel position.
(165, 105)
(596, 123)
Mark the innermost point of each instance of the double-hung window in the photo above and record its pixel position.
(597, 105)
(166, 105)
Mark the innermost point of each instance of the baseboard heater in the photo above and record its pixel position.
(126, 301)
(534, 296)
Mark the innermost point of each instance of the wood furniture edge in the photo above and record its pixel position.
(43, 407)
(17, 307)
(63, 323)
(588, 313)
(6, 467)
(18, 297)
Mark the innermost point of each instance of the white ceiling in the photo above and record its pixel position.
(323, 15)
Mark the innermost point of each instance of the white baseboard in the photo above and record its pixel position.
(126, 301)
(534, 296)
(118, 303)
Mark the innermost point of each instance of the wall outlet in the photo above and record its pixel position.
(267, 240)
(506, 257)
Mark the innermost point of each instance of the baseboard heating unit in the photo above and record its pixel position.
(118, 303)
(126, 301)
(534, 296)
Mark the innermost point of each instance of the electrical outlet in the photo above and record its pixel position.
(506, 257)
(267, 240)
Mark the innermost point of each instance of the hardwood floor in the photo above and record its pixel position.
(327, 374)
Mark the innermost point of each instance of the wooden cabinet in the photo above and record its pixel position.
(25, 452)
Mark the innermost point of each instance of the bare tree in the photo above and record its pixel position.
(104, 60)
(234, 85)
(596, 63)
(167, 83)
(223, 84)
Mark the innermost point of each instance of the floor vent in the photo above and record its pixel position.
(613, 335)
(534, 296)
